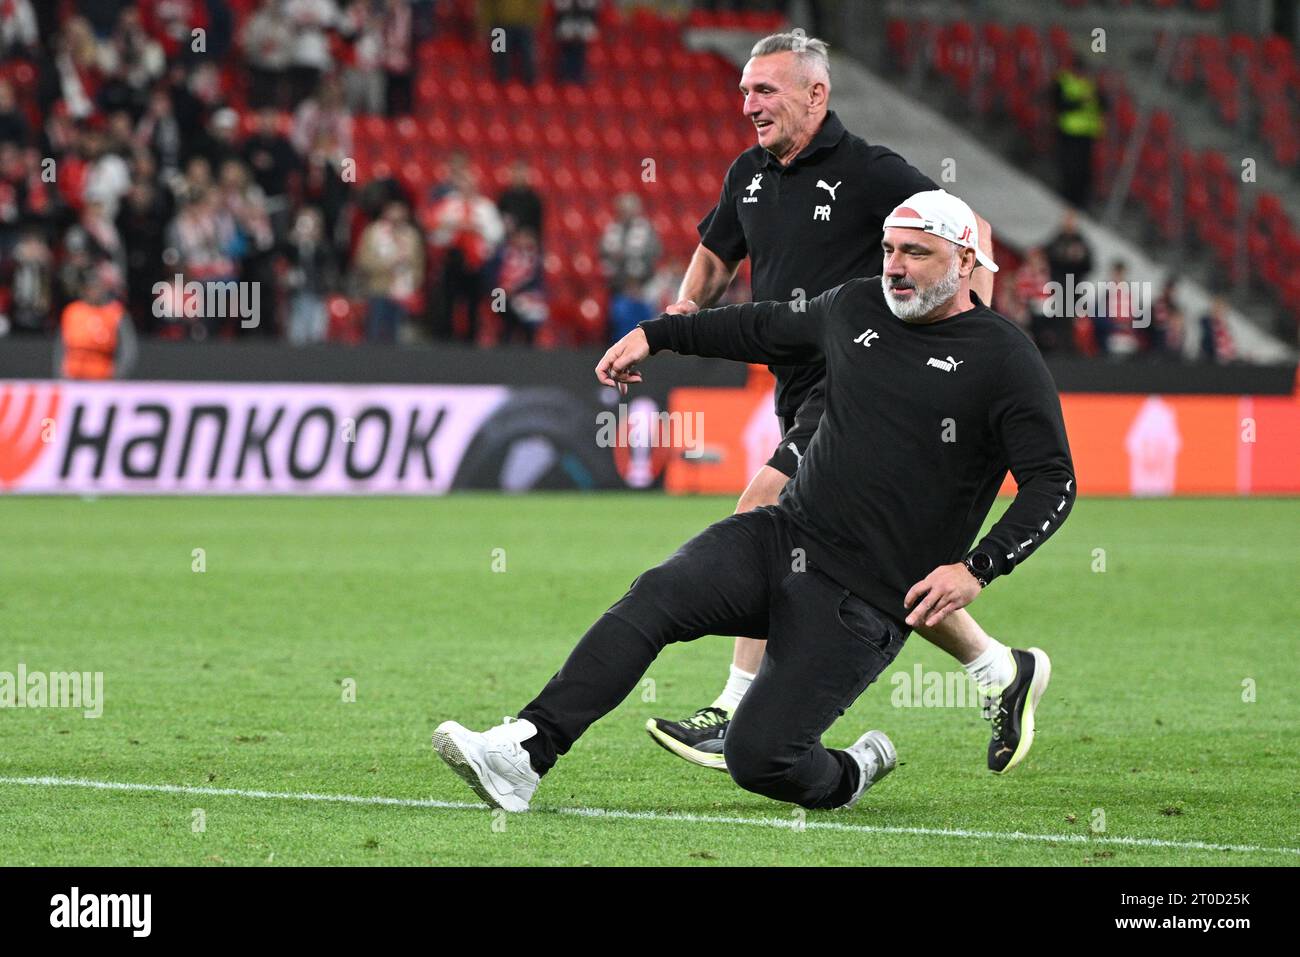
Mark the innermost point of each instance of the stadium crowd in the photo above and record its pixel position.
(213, 140)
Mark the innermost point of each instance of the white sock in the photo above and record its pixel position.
(994, 669)
(736, 687)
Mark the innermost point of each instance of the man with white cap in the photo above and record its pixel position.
(805, 205)
(930, 398)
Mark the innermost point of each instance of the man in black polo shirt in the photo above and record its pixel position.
(930, 398)
(805, 205)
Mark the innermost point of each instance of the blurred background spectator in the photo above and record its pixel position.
(627, 307)
(1216, 338)
(465, 226)
(519, 203)
(630, 247)
(312, 272)
(1068, 253)
(575, 29)
(390, 262)
(29, 277)
(514, 49)
(519, 277)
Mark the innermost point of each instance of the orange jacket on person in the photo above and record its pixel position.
(90, 338)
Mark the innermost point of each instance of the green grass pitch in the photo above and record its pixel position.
(235, 677)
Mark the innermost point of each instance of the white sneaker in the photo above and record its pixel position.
(492, 762)
(876, 757)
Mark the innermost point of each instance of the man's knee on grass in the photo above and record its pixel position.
(754, 764)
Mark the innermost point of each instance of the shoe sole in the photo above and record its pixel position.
(448, 748)
(1042, 675)
(701, 759)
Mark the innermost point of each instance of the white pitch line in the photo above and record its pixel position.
(595, 812)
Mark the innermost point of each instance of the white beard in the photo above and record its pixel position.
(924, 301)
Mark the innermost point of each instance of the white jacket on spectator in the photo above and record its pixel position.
(310, 19)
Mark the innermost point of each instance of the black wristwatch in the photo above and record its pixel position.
(979, 564)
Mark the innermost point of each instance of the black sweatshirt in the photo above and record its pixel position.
(922, 423)
(809, 225)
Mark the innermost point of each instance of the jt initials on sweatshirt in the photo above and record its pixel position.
(922, 423)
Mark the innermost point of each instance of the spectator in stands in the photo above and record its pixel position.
(309, 51)
(59, 137)
(19, 35)
(13, 122)
(42, 205)
(519, 275)
(661, 291)
(323, 121)
(575, 26)
(627, 306)
(197, 180)
(13, 195)
(160, 132)
(630, 247)
(272, 160)
(1216, 338)
(220, 143)
(424, 22)
(466, 225)
(107, 175)
(325, 187)
(190, 112)
(399, 56)
(94, 238)
(267, 42)
(390, 262)
(1164, 337)
(514, 49)
(1112, 320)
(202, 245)
(102, 15)
(143, 219)
(70, 74)
(96, 340)
(310, 277)
(1068, 253)
(173, 22)
(29, 275)
(242, 200)
(1051, 333)
(365, 82)
(1080, 123)
(519, 204)
(456, 164)
(132, 59)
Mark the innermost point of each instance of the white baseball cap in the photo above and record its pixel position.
(942, 214)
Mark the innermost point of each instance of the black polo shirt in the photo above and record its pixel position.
(808, 226)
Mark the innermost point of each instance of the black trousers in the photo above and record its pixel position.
(744, 575)
(1075, 156)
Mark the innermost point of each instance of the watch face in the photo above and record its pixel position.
(981, 562)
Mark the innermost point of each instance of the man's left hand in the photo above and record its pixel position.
(940, 593)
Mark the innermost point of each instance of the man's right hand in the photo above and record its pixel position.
(618, 365)
(682, 306)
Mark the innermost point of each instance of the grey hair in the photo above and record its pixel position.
(811, 52)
